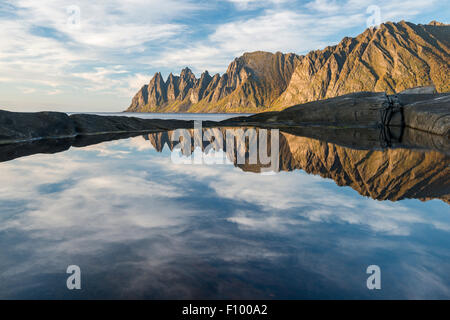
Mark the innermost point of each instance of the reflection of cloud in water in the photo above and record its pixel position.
(311, 197)
(139, 144)
(140, 226)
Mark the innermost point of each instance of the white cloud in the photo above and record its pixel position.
(100, 78)
(140, 144)
(109, 25)
(250, 4)
(28, 90)
(103, 79)
(132, 83)
(40, 48)
(53, 92)
(327, 6)
(273, 31)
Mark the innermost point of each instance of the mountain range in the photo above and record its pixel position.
(390, 58)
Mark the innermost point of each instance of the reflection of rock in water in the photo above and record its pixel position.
(246, 144)
(390, 174)
(393, 174)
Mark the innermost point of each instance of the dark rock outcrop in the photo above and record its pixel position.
(22, 126)
(89, 124)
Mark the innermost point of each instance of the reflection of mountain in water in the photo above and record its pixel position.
(390, 174)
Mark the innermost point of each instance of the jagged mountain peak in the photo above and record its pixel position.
(437, 23)
(391, 58)
(187, 73)
(157, 77)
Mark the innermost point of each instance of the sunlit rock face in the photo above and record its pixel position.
(389, 174)
(391, 58)
(252, 81)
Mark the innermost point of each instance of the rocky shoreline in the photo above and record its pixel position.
(428, 113)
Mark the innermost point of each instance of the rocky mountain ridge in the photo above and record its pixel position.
(252, 80)
(391, 58)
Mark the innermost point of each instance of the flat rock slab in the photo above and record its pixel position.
(86, 124)
(355, 110)
(429, 115)
(20, 127)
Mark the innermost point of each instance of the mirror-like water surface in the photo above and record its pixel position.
(140, 225)
(172, 116)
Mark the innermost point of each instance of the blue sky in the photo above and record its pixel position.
(94, 55)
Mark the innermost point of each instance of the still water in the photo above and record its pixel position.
(140, 225)
(172, 116)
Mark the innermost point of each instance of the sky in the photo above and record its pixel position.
(93, 56)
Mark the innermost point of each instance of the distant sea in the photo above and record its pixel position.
(177, 116)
